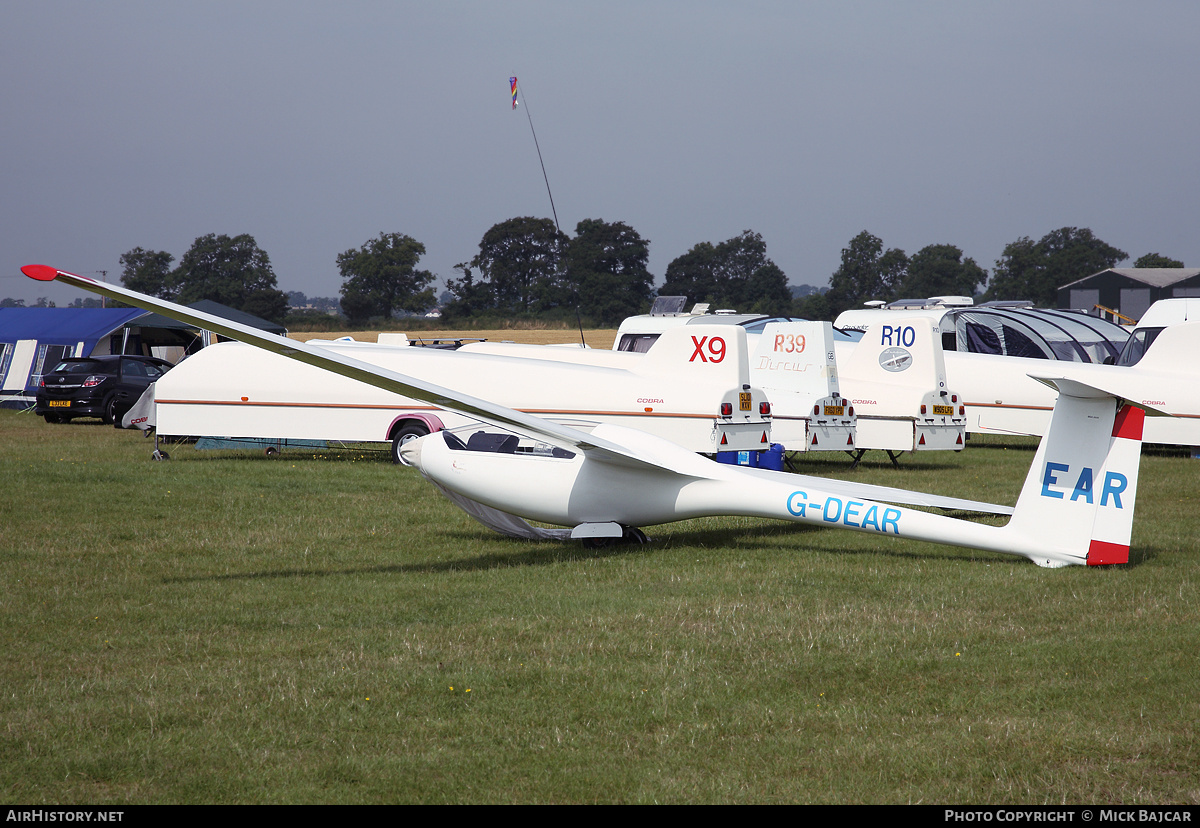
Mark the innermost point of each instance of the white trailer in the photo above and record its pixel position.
(696, 392)
(892, 381)
(1000, 396)
(792, 362)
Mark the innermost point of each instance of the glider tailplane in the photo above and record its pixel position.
(1078, 500)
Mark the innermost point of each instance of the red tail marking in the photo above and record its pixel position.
(921, 442)
(764, 439)
(724, 440)
(1103, 553)
(1129, 423)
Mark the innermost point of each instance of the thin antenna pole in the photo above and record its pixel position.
(539, 152)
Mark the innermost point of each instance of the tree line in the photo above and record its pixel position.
(526, 267)
(1026, 270)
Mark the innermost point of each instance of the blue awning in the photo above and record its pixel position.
(63, 326)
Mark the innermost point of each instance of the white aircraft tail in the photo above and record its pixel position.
(1078, 500)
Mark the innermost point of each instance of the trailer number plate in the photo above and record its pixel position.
(947, 410)
(743, 401)
(835, 411)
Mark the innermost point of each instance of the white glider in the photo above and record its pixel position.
(1076, 506)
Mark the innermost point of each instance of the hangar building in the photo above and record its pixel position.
(1129, 291)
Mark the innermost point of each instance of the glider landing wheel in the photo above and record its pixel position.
(271, 451)
(408, 433)
(631, 535)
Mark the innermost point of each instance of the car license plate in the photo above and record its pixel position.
(835, 411)
(947, 410)
(59, 403)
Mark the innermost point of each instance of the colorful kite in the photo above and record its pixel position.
(513, 83)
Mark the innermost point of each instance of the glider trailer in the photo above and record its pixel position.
(236, 391)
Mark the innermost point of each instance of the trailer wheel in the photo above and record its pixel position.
(406, 434)
(160, 455)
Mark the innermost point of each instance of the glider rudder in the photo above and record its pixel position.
(1078, 500)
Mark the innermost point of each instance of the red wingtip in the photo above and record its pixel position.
(43, 273)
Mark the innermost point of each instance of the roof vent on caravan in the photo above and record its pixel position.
(668, 306)
(931, 302)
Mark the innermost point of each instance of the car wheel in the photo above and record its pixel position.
(407, 434)
(110, 411)
(53, 418)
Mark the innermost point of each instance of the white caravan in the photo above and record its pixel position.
(1076, 506)
(698, 395)
(1001, 396)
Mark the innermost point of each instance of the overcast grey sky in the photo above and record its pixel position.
(314, 126)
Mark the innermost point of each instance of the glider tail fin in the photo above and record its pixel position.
(1078, 500)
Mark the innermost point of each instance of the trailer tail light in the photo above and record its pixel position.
(851, 411)
(764, 409)
(817, 410)
(923, 409)
(726, 409)
(962, 409)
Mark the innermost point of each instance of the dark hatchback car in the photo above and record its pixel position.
(99, 386)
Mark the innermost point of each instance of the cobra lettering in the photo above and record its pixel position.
(714, 346)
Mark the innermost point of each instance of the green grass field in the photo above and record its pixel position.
(323, 627)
